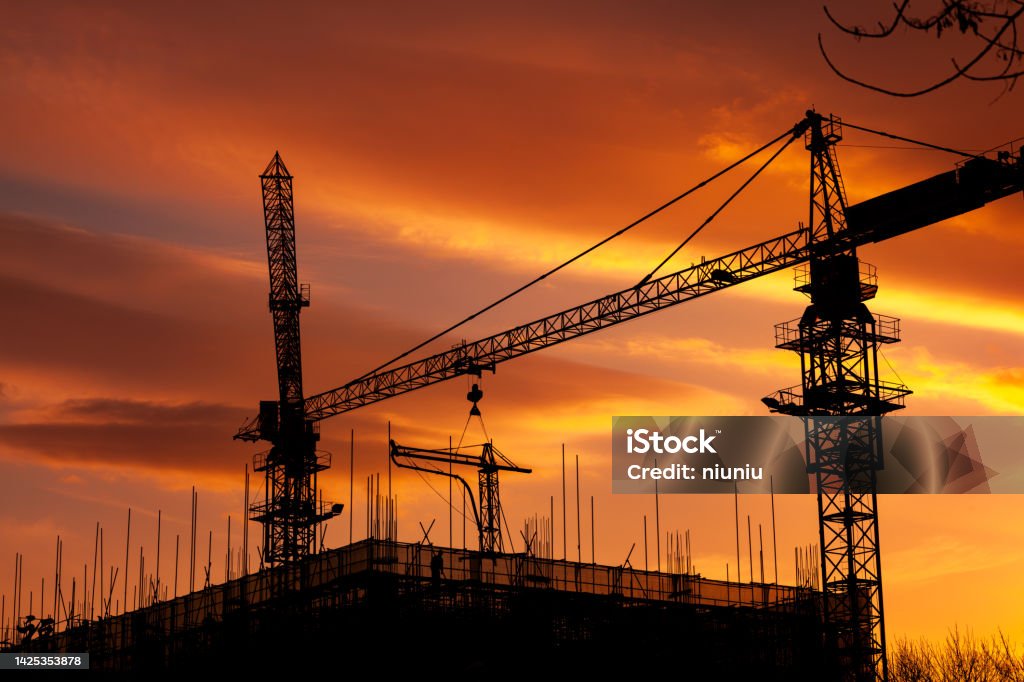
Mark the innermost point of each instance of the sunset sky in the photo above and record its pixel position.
(443, 154)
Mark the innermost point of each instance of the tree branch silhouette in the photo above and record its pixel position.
(990, 27)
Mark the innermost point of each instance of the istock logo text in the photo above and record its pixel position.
(642, 441)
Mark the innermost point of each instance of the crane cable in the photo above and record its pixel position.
(444, 473)
(911, 141)
(718, 210)
(647, 216)
(773, 157)
(438, 470)
(450, 503)
(578, 256)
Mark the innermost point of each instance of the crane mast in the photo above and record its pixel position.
(841, 399)
(289, 511)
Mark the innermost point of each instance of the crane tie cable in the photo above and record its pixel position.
(436, 492)
(911, 141)
(793, 132)
(774, 156)
(718, 210)
(578, 256)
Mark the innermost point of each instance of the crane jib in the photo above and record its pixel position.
(972, 185)
(704, 278)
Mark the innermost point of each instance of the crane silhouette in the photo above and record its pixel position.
(840, 395)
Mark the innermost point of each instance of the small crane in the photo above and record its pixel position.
(488, 463)
(487, 513)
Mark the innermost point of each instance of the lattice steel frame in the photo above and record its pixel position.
(843, 398)
(487, 509)
(490, 503)
(289, 512)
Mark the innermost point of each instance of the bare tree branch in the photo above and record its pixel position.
(876, 88)
(966, 17)
(861, 33)
(995, 77)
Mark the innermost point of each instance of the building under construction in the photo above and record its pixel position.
(397, 607)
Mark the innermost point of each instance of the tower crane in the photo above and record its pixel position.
(486, 512)
(840, 395)
(290, 511)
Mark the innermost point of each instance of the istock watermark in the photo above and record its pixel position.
(643, 441)
(909, 455)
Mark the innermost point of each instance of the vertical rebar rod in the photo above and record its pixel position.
(14, 591)
(127, 544)
(351, 482)
(209, 558)
(451, 508)
(92, 595)
(177, 538)
(245, 524)
(137, 589)
(103, 608)
(593, 534)
(552, 538)
(579, 540)
(565, 544)
(736, 497)
(657, 522)
(227, 563)
(775, 547)
(156, 587)
(646, 564)
(688, 555)
(56, 581)
(192, 547)
(750, 550)
(60, 571)
(760, 544)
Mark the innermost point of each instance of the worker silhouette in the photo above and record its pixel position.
(436, 568)
(28, 629)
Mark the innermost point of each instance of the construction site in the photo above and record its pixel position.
(378, 593)
(414, 607)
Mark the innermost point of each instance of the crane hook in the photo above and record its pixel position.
(474, 396)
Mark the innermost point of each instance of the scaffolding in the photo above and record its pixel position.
(349, 590)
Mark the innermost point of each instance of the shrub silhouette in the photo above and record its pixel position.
(962, 657)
